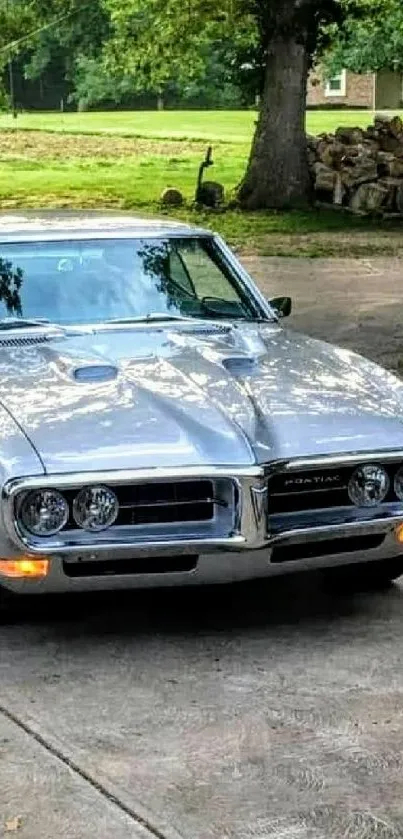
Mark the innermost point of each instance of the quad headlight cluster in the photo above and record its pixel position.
(370, 485)
(45, 512)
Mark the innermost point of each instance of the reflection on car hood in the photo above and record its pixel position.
(183, 394)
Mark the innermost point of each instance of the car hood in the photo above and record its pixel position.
(179, 394)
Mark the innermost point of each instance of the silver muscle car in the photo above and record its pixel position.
(160, 427)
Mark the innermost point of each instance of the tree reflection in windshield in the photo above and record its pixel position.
(155, 258)
(11, 280)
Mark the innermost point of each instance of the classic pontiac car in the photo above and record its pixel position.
(160, 427)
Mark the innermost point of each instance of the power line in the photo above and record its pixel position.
(12, 45)
(16, 43)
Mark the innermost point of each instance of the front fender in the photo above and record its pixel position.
(18, 458)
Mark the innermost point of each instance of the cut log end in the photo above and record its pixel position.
(360, 170)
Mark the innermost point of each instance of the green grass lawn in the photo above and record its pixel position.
(218, 126)
(135, 186)
(73, 161)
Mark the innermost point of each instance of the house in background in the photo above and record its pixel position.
(376, 91)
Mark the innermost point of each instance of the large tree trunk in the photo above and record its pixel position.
(277, 175)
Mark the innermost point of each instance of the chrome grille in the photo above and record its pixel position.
(154, 511)
(162, 503)
(163, 510)
(318, 489)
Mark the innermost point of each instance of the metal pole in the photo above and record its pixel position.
(12, 91)
(374, 92)
(11, 79)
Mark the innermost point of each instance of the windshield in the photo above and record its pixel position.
(103, 280)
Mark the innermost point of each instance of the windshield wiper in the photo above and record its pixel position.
(153, 316)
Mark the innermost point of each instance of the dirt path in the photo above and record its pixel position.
(40, 145)
(357, 303)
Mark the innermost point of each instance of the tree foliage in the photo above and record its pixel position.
(370, 39)
(11, 280)
(76, 37)
(15, 20)
(106, 49)
(158, 43)
(49, 37)
(84, 44)
(160, 40)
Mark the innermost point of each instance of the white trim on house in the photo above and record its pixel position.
(340, 85)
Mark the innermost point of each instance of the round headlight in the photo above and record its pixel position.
(399, 484)
(95, 508)
(369, 485)
(44, 512)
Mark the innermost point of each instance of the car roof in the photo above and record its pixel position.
(31, 226)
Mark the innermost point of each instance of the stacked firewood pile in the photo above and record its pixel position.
(361, 170)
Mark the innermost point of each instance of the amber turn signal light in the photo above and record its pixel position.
(399, 534)
(25, 567)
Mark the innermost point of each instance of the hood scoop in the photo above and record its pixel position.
(241, 365)
(95, 373)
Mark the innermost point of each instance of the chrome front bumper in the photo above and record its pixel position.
(211, 568)
(247, 552)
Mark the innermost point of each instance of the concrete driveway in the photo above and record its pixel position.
(265, 711)
(354, 302)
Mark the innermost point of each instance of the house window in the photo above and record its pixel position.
(336, 86)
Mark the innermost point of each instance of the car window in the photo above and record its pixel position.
(180, 275)
(97, 281)
(207, 277)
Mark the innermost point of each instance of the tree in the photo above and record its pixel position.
(372, 42)
(11, 280)
(290, 33)
(16, 18)
(161, 40)
(113, 46)
(77, 36)
(48, 38)
(217, 85)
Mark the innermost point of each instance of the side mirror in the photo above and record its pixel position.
(282, 306)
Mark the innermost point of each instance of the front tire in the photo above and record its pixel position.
(365, 576)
